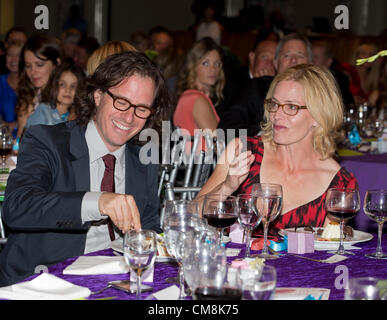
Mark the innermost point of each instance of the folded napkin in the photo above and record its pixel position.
(170, 293)
(44, 287)
(86, 265)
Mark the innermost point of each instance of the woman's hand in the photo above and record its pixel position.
(239, 163)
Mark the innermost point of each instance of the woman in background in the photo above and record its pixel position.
(40, 55)
(58, 96)
(200, 87)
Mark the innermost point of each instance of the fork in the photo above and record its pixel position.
(101, 290)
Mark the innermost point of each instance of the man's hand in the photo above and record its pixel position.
(122, 210)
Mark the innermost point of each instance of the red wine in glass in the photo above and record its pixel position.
(214, 293)
(5, 151)
(343, 214)
(220, 221)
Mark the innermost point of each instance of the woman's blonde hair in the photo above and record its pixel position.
(108, 49)
(187, 76)
(323, 100)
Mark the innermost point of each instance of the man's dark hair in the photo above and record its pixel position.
(111, 72)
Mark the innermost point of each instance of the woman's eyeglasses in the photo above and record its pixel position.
(290, 109)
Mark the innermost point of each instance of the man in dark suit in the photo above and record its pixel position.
(246, 110)
(54, 203)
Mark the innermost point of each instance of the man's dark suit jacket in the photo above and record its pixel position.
(43, 197)
(246, 109)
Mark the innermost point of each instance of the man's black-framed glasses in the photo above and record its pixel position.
(290, 109)
(123, 104)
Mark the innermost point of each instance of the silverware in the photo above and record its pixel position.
(294, 255)
(124, 285)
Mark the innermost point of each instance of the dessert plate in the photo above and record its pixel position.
(358, 236)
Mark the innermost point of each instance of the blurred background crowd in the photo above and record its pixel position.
(225, 51)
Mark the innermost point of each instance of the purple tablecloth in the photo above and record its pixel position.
(371, 173)
(291, 272)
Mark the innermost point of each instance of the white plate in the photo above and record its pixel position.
(358, 236)
(118, 246)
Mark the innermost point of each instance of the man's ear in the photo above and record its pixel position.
(97, 97)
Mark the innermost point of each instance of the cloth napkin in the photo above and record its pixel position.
(44, 287)
(86, 265)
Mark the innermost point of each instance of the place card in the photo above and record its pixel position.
(334, 259)
(232, 252)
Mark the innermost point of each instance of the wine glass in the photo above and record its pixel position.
(343, 204)
(140, 251)
(375, 207)
(248, 217)
(211, 264)
(6, 142)
(262, 285)
(182, 218)
(366, 288)
(220, 211)
(268, 202)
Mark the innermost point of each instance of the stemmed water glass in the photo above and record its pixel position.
(6, 142)
(343, 204)
(268, 202)
(375, 207)
(181, 216)
(248, 217)
(220, 211)
(140, 249)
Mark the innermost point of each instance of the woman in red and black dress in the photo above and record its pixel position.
(303, 116)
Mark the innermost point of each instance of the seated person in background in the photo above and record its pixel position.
(139, 40)
(106, 50)
(69, 39)
(323, 56)
(159, 39)
(200, 87)
(303, 115)
(246, 107)
(246, 111)
(8, 85)
(368, 72)
(57, 104)
(208, 26)
(40, 55)
(14, 34)
(60, 195)
(85, 47)
(170, 62)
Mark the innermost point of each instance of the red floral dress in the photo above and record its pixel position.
(312, 213)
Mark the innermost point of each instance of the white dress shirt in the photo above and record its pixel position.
(98, 235)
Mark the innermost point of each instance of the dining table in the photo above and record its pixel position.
(292, 271)
(370, 171)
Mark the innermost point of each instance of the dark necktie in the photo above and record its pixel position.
(107, 184)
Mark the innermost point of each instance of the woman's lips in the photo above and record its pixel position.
(279, 127)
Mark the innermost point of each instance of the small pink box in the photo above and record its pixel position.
(300, 242)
